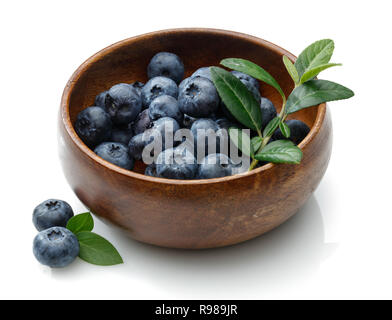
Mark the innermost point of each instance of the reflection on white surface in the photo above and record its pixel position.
(278, 260)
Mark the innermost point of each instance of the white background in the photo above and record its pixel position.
(337, 246)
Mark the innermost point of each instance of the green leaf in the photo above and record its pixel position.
(81, 222)
(314, 92)
(253, 70)
(256, 143)
(317, 54)
(285, 129)
(280, 151)
(291, 69)
(242, 141)
(271, 127)
(97, 250)
(310, 74)
(237, 98)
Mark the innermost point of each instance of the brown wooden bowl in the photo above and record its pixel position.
(197, 213)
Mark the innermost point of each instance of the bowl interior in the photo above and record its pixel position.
(127, 61)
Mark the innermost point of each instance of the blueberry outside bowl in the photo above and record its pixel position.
(191, 214)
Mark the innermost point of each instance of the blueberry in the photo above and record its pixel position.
(116, 153)
(198, 98)
(188, 121)
(56, 247)
(122, 135)
(203, 72)
(123, 103)
(138, 86)
(93, 126)
(164, 126)
(246, 78)
(176, 163)
(209, 131)
(150, 171)
(215, 165)
(268, 112)
(298, 131)
(156, 87)
(142, 122)
(225, 123)
(100, 100)
(166, 64)
(165, 106)
(52, 213)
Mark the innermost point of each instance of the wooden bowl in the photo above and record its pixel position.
(197, 213)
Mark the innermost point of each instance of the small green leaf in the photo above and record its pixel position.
(253, 70)
(280, 151)
(242, 141)
(256, 143)
(314, 92)
(317, 54)
(237, 98)
(285, 129)
(81, 222)
(271, 127)
(310, 74)
(291, 69)
(97, 250)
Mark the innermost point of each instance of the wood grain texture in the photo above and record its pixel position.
(198, 213)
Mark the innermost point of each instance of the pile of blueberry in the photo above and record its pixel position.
(54, 246)
(127, 117)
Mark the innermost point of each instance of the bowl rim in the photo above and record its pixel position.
(66, 119)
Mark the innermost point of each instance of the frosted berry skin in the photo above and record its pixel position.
(215, 165)
(156, 87)
(93, 126)
(204, 72)
(116, 153)
(56, 247)
(142, 122)
(165, 106)
(52, 213)
(246, 78)
(198, 98)
(100, 99)
(298, 131)
(123, 103)
(176, 163)
(166, 64)
(268, 112)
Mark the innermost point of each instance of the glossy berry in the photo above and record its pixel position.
(166, 64)
(158, 130)
(176, 163)
(121, 135)
(215, 165)
(198, 98)
(298, 131)
(116, 153)
(142, 122)
(165, 106)
(156, 87)
(246, 78)
(93, 126)
(268, 112)
(207, 132)
(52, 213)
(100, 100)
(123, 103)
(56, 247)
(203, 72)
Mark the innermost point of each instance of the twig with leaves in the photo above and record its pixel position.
(307, 92)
